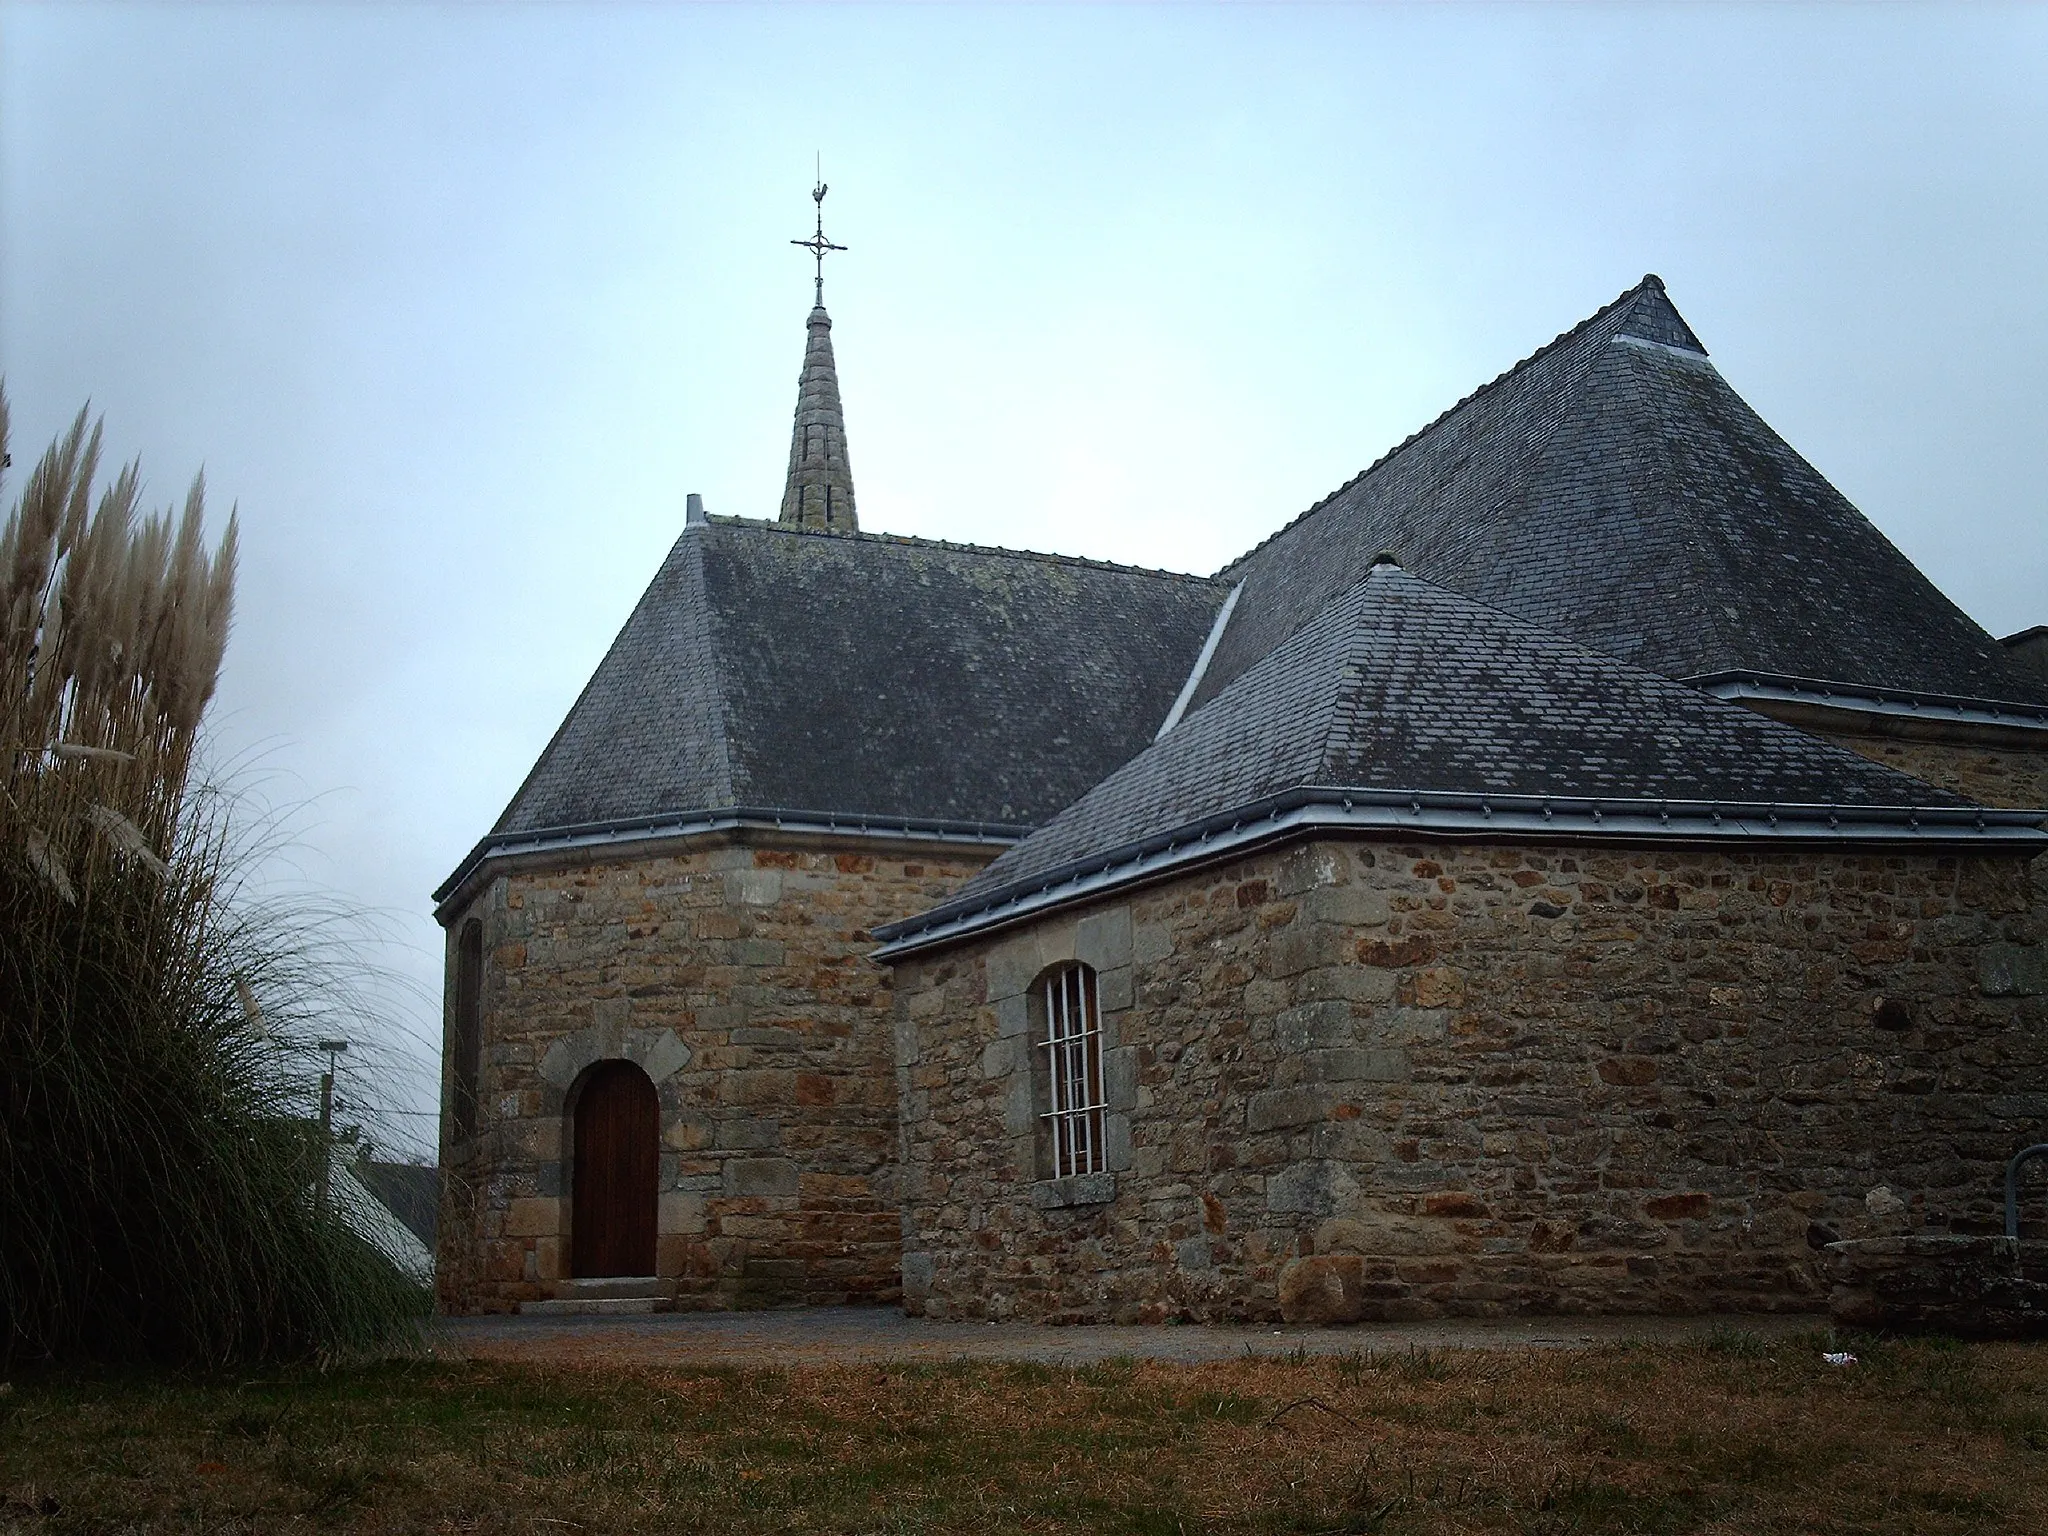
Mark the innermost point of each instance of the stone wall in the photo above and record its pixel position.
(737, 976)
(1358, 1080)
(2001, 776)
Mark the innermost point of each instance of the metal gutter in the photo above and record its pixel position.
(1465, 818)
(1936, 711)
(1201, 667)
(642, 829)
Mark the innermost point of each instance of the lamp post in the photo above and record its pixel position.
(333, 1048)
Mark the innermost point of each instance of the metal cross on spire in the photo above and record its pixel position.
(818, 245)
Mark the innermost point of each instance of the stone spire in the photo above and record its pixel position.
(819, 492)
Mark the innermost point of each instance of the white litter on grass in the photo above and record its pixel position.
(1844, 1358)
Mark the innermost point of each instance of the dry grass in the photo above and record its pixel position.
(1723, 1434)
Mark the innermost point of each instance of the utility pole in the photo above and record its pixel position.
(333, 1048)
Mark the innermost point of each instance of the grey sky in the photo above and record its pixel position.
(457, 303)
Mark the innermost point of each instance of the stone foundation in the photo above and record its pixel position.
(1371, 1081)
(737, 976)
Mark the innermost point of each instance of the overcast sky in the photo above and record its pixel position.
(456, 303)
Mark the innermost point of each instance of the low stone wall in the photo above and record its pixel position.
(1978, 1287)
(1372, 1081)
(737, 976)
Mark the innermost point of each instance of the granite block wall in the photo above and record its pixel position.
(2011, 777)
(1358, 1080)
(737, 976)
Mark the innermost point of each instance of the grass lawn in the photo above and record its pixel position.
(1722, 1434)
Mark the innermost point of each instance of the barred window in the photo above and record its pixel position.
(1073, 1077)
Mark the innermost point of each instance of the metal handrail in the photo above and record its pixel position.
(2012, 1186)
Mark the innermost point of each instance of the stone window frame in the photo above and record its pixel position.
(1014, 971)
(564, 1066)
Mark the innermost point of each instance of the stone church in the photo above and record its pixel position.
(1577, 865)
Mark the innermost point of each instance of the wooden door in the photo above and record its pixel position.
(618, 1133)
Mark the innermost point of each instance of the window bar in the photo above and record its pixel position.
(1055, 988)
(1056, 1073)
(1084, 1045)
(1091, 1064)
(1077, 1061)
(1065, 1072)
(1084, 1161)
(1077, 1089)
(1053, 1030)
(1100, 1158)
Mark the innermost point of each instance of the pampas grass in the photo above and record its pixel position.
(156, 1164)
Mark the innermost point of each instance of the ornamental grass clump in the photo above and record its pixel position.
(157, 1166)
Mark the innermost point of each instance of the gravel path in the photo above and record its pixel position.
(850, 1335)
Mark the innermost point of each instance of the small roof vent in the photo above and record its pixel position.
(1386, 557)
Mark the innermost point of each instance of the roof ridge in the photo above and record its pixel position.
(1364, 614)
(1650, 280)
(691, 564)
(1653, 482)
(1047, 557)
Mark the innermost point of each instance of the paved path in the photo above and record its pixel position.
(849, 1335)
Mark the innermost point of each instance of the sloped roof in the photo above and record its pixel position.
(1613, 488)
(409, 1191)
(1400, 685)
(860, 674)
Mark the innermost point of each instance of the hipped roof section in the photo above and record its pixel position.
(1398, 689)
(868, 675)
(1613, 488)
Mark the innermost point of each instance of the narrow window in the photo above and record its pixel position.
(469, 1028)
(1073, 1048)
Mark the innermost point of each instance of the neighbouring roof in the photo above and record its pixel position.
(1400, 691)
(866, 675)
(1613, 488)
(410, 1191)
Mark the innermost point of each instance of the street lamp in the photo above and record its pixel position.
(333, 1048)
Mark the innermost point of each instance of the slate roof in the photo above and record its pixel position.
(1399, 684)
(772, 666)
(409, 1191)
(1613, 488)
(1638, 521)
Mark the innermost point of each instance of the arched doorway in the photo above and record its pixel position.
(618, 1133)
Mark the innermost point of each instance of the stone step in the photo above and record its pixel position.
(600, 1286)
(593, 1306)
